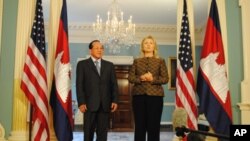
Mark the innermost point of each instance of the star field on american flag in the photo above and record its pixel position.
(185, 50)
(38, 35)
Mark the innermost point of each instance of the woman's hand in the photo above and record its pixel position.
(147, 77)
(143, 77)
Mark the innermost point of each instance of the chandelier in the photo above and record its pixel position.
(115, 33)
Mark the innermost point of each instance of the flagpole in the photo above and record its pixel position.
(30, 123)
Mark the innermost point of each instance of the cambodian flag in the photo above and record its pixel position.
(61, 98)
(212, 83)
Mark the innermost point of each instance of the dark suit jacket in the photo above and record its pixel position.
(94, 90)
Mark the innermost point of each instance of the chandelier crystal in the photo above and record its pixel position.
(115, 33)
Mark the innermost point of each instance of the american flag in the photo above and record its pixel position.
(34, 78)
(185, 84)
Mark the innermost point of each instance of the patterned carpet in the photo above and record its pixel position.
(124, 136)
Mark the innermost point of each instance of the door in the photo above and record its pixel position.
(122, 119)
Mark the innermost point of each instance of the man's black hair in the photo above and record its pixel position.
(91, 43)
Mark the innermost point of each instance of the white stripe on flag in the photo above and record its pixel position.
(33, 90)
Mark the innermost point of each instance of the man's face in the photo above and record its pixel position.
(97, 50)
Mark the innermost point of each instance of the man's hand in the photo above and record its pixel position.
(114, 107)
(83, 108)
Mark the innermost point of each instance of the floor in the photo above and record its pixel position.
(125, 136)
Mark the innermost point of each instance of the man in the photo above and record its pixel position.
(97, 92)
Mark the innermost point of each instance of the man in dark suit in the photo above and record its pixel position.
(97, 92)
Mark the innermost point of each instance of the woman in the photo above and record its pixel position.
(148, 73)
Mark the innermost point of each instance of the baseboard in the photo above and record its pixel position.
(167, 127)
(78, 127)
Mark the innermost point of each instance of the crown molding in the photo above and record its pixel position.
(164, 34)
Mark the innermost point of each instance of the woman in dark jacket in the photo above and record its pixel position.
(148, 73)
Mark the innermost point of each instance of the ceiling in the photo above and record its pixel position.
(143, 11)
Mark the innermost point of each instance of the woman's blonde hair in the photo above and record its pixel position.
(155, 54)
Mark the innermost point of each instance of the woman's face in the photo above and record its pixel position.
(148, 46)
